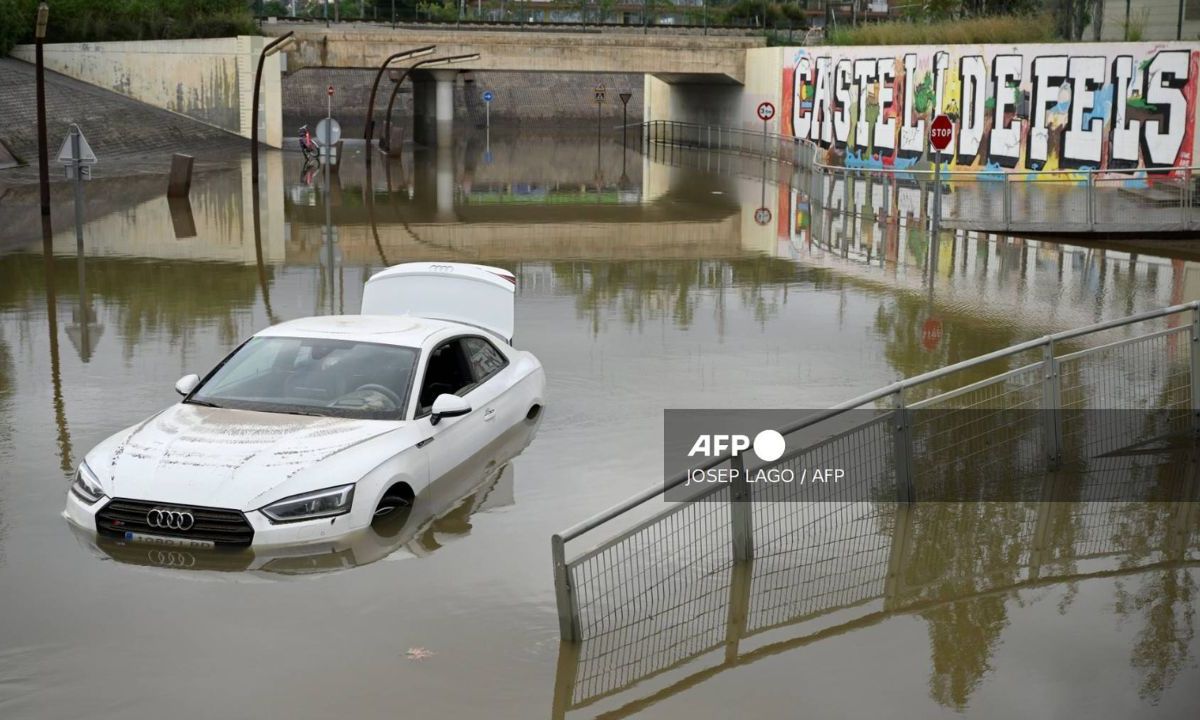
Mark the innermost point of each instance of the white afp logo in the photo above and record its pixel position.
(768, 445)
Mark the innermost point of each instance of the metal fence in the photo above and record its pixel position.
(864, 562)
(550, 15)
(1048, 402)
(1081, 200)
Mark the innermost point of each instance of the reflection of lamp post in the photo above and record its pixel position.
(385, 141)
(369, 127)
(273, 47)
(43, 16)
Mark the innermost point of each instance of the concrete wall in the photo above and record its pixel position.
(207, 80)
(725, 104)
(524, 51)
(533, 99)
(1111, 105)
(1156, 19)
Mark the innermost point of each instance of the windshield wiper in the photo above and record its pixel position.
(204, 403)
(301, 412)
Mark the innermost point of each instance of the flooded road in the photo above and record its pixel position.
(642, 285)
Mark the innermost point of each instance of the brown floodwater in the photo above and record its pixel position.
(643, 284)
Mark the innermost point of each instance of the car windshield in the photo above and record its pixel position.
(313, 376)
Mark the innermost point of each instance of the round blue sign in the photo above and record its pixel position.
(488, 96)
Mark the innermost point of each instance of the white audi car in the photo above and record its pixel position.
(313, 429)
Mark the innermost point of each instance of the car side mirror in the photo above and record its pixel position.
(447, 405)
(186, 384)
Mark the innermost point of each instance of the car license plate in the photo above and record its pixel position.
(169, 541)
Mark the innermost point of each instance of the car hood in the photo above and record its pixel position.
(220, 457)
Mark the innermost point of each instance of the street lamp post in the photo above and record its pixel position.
(43, 16)
(272, 47)
(386, 140)
(369, 126)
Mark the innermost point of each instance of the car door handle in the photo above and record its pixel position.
(489, 414)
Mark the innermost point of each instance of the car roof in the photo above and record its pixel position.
(402, 330)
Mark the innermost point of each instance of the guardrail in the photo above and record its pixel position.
(1083, 200)
(1072, 372)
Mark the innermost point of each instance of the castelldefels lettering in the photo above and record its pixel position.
(1116, 107)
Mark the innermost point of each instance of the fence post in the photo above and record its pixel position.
(740, 515)
(887, 196)
(1185, 198)
(893, 585)
(1007, 201)
(1091, 199)
(564, 594)
(905, 492)
(1051, 406)
(1196, 367)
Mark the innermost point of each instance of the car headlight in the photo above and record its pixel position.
(86, 487)
(313, 505)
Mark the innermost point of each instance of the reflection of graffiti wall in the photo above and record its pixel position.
(1114, 106)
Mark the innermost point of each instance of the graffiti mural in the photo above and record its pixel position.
(1116, 107)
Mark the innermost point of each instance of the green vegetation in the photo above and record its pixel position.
(100, 20)
(744, 12)
(996, 29)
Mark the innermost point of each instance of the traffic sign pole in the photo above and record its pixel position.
(940, 132)
(765, 112)
(937, 194)
(77, 166)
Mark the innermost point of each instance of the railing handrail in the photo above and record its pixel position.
(654, 491)
(991, 174)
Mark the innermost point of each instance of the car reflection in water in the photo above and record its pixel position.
(439, 515)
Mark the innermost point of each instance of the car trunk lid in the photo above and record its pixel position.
(477, 295)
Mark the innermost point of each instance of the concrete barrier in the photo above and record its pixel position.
(210, 80)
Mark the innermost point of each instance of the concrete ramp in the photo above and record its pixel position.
(210, 81)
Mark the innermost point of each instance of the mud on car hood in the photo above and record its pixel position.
(219, 457)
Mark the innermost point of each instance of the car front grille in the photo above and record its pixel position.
(224, 527)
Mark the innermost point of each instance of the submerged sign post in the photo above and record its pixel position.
(624, 114)
(78, 157)
(941, 130)
(765, 112)
(488, 97)
(599, 92)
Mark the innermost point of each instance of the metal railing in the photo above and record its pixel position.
(856, 564)
(1039, 409)
(1082, 200)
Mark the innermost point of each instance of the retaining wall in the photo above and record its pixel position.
(534, 99)
(207, 80)
(1014, 108)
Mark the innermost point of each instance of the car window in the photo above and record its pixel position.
(447, 372)
(252, 360)
(484, 358)
(313, 376)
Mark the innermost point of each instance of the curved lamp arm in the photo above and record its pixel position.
(369, 126)
(387, 116)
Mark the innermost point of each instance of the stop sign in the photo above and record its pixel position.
(931, 334)
(940, 131)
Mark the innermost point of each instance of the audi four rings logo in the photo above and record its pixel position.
(170, 519)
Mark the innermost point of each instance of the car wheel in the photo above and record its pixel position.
(398, 497)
